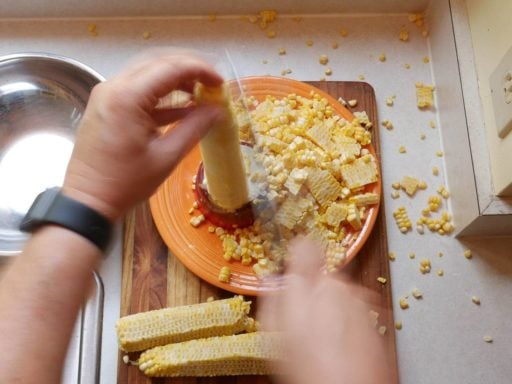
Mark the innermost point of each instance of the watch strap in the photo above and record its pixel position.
(52, 207)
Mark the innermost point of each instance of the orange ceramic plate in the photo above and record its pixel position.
(201, 251)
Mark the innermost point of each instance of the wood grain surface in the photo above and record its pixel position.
(153, 278)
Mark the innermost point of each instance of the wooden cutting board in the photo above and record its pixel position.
(153, 278)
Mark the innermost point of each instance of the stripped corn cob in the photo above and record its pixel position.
(172, 325)
(245, 354)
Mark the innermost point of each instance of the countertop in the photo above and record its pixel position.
(442, 336)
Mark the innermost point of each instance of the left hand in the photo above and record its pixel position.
(121, 156)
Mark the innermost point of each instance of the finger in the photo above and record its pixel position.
(172, 146)
(306, 258)
(269, 312)
(163, 116)
(167, 74)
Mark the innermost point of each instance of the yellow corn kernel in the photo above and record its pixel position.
(171, 325)
(475, 300)
(387, 124)
(440, 272)
(392, 256)
(271, 34)
(402, 149)
(282, 51)
(196, 221)
(425, 33)
(245, 354)
(403, 303)
(352, 103)
(439, 153)
(423, 136)
(335, 45)
(468, 254)
(323, 59)
(361, 77)
(382, 280)
(309, 43)
(212, 17)
(398, 325)
(328, 71)
(146, 35)
(395, 195)
(426, 60)
(488, 339)
(382, 57)
(92, 28)
(407, 66)
(417, 294)
(390, 101)
(412, 256)
(343, 32)
(211, 229)
(224, 274)
(382, 330)
(404, 35)
(435, 171)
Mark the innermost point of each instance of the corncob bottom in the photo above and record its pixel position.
(245, 354)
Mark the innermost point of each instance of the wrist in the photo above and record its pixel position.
(101, 206)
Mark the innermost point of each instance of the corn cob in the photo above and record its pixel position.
(172, 325)
(245, 354)
(221, 153)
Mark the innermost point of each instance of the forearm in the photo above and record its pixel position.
(40, 296)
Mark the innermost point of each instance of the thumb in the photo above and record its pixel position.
(177, 142)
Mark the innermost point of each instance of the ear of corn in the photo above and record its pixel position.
(245, 354)
(171, 325)
(221, 153)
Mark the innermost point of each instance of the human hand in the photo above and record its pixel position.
(121, 155)
(327, 327)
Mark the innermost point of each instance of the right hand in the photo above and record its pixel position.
(326, 323)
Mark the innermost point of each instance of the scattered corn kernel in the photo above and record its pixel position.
(409, 185)
(309, 43)
(396, 185)
(146, 35)
(209, 299)
(422, 185)
(191, 211)
(264, 61)
(425, 33)
(475, 300)
(92, 28)
(423, 136)
(387, 124)
(352, 103)
(212, 17)
(361, 77)
(403, 303)
(211, 229)
(195, 205)
(468, 254)
(439, 153)
(424, 95)
(426, 60)
(420, 229)
(425, 266)
(271, 34)
(398, 325)
(390, 101)
(407, 66)
(196, 221)
(435, 171)
(382, 330)
(282, 51)
(417, 294)
(395, 195)
(488, 339)
(323, 59)
(392, 256)
(382, 280)
(126, 359)
(402, 219)
(328, 71)
(404, 35)
(440, 272)
(402, 149)
(225, 274)
(382, 57)
(344, 32)
(335, 45)
(440, 254)
(412, 255)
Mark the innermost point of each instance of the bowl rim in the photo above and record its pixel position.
(52, 57)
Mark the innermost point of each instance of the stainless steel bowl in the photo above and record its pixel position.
(42, 99)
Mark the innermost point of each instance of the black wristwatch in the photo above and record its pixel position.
(52, 207)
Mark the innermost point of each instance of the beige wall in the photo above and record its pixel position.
(491, 30)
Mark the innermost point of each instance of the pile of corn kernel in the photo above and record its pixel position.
(317, 168)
